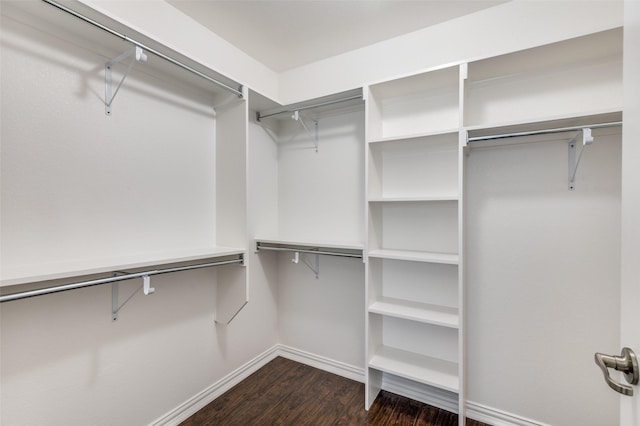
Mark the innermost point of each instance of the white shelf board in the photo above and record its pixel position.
(432, 314)
(415, 136)
(430, 371)
(313, 244)
(549, 122)
(416, 256)
(444, 197)
(51, 271)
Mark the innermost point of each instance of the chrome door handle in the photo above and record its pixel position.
(626, 363)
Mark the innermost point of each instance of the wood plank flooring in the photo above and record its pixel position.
(285, 392)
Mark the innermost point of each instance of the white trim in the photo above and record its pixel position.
(496, 417)
(407, 388)
(332, 366)
(420, 392)
(200, 400)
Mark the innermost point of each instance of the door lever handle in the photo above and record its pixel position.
(626, 363)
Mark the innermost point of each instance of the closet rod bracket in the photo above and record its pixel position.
(146, 285)
(575, 156)
(313, 136)
(115, 297)
(314, 268)
(109, 94)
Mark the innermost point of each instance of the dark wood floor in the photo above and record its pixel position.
(285, 392)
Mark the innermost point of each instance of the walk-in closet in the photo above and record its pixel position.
(439, 225)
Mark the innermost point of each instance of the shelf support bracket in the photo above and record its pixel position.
(109, 93)
(115, 301)
(314, 137)
(314, 268)
(575, 156)
(115, 297)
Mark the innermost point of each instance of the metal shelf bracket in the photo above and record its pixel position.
(109, 94)
(115, 297)
(313, 136)
(314, 268)
(575, 156)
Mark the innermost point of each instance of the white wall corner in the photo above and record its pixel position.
(167, 25)
(482, 34)
(200, 400)
(322, 363)
(506, 28)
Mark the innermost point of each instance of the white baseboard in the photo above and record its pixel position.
(199, 401)
(419, 392)
(496, 417)
(323, 363)
(407, 388)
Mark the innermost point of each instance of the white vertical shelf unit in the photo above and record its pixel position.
(418, 129)
(231, 204)
(414, 295)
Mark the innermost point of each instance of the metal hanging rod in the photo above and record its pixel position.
(90, 283)
(310, 251)
(302, 108)
(544, 131)
(182, 65)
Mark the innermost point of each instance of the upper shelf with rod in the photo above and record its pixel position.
(321, 248)
(229, 303)
(299, 250)
(52, 271)
(309, 112)
(576, 131)
(94, 26)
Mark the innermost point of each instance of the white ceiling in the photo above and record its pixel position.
(284, 34)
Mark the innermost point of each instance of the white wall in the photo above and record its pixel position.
(323, 316)
(321, 198)
(75, 183)
(321, 195)
(542, 288)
